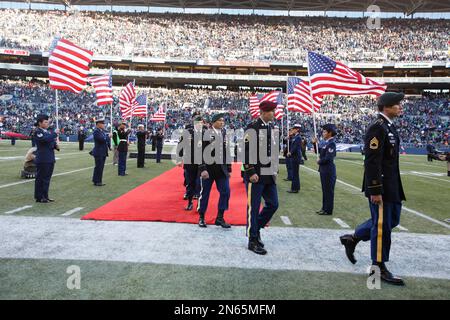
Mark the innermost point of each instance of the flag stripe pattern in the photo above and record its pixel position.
(255, 100)
(279, 111)
(103, 88)
(299, 96)
(159, 115)
(329, 77)
(68, 66)
(127, 100)
(140, 107)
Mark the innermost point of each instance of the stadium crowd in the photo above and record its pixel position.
(227, 37)
(424, 119)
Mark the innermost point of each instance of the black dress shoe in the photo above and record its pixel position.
(349, 243)
(50, 200)
(202, 223)
(222, 223)
(189, 206)
(99, 184)
(253, 245)
(292, 191)
(287, 179)
(388, 277)
(324, 213)
(43, 201)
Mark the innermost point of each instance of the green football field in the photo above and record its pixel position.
(427, 189)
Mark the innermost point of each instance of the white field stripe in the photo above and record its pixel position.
(286, 220)
(55, 175)
(18, 209)
(68, 213)
(417, 213)
(341, 223)
(401, 228)
(424, 176)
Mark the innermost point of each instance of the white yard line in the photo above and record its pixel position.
(286, 220)
(401, 228)
(55, 175)
(341, 223)
(18, 209)
(288, 248)
(417, 213)
(70, 212)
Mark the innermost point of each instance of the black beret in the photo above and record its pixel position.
(267, 106)
(389, 99)
(216, 117)
(330, 128)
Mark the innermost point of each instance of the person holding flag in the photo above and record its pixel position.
(100, 151)
(142, 137)
(295, 157)
(121, 135)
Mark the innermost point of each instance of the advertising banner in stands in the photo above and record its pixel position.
(14, 52)
(233, 63)
(413, 65)
(363, 65)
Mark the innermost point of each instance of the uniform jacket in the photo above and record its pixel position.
(252, 167)
(381, 164)
(101, 143)
(45, 144)
(327, 153)
(295, 147)
(221, 169)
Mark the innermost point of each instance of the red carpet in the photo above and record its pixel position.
(161, 199)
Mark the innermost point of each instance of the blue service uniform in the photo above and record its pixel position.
(219, 172)
(159, 146)
(327, 170)
(100, 152)
(122, 148)
(381, 177)
(295, 148)
(266, 187)
(288, 161)
(45, 161)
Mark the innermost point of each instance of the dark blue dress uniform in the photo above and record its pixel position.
(187, 151)
(219, 172)
(266, 186)
(159, 146)
(381, 177)
(288, 160)
(45, 162)
(327, 170)
(295, 148)
(100, 152)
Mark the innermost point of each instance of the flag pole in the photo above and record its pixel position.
(111, 119)
(57, 112)
(146, 112)
(312, 104)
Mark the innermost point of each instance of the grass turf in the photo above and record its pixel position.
(47, 279)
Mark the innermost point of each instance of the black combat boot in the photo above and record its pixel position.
(201, 221)
(220, 220)
(253, 245)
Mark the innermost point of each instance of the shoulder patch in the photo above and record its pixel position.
(40, 135)
(374, 143)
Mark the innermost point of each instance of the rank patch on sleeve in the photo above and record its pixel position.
(374, 143)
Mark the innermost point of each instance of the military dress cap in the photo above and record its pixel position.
(100, 120)
(216, 117)
(330, 128)
(388, 99)
(297, 126)
(39, 118)
(267, 106)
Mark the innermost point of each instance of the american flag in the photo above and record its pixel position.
(68, 66)
(160, 115)
(329, 77)
(299, 96)
(127, 100)
(256, 99)
(279, 111)
(103, 88)
(140, 108)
